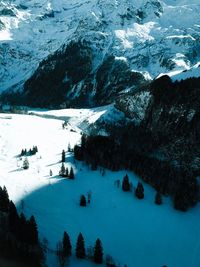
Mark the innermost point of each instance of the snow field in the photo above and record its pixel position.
(135, 232)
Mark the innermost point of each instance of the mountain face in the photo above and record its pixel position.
(87, 53)
(169, 112)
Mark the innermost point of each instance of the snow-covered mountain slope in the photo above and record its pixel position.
(151, 36)
(191, 73)
(90, 121)
(134, 232)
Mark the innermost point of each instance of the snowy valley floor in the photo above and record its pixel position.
(135, 232)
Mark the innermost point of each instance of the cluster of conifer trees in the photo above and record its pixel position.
(139, 190)
(18, 235)
(126, 186)
(64, 249)
(30, 152)
(65, 172)
(164, 177)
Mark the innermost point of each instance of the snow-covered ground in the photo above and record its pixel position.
(84, 119)
(135, 232)
(178, 75)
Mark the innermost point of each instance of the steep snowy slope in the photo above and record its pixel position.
(191, 73)
(151, 36)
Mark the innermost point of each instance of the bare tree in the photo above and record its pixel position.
(89, 196)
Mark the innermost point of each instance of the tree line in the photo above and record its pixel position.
(18, 235)
(162, 175)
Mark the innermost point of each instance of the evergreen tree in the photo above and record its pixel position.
(33, 231)
(139, 192)
(50, 173)
(71, 173)
(4, 199)
(98, 252)
(22, 228)
(126, 184)
(25, 164)
(83, 141)
(30, 152)
(186, 194)
(13, 217)
(34, 150)
(67, 248)
(158, 198)
(62, 170)
(110, 261)
(83, 201)
(80, 247)
(59, 252)
(63, 156)
(78, 152)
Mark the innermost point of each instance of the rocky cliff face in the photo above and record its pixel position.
(169, 112)
(67, 78)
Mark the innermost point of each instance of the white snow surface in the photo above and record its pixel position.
(34, 29)
(135, 232)
(82, 119)
(193, 72)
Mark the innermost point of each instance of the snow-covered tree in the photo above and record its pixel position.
(25, 164)
(62, 170)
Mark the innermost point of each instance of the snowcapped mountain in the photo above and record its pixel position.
(99, 67)
(126, 43)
